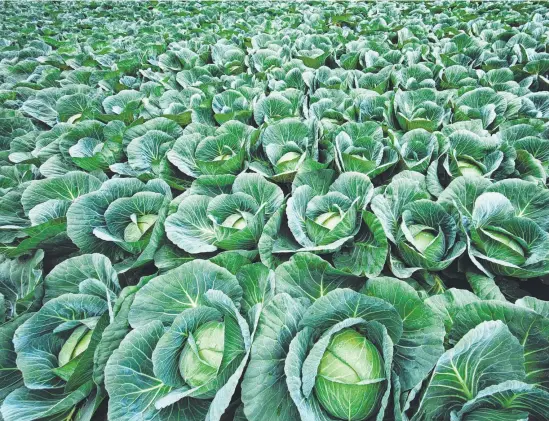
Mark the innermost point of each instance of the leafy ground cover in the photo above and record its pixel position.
(274, 211)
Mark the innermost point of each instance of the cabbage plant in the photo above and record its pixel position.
(285, 147)
(207, 152)
(512, 383)
(336, 353)
(361, 147)
(470, 151)
(223, 212)
(193, 346)
(504, 223)
(123, 217)
(421, 109)
(486, 104)
(424, 234)
(56, 346)
(327, 215)
(42, 206)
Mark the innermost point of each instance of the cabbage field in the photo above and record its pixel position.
(270, 211)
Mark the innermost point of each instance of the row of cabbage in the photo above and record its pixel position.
(314, 212)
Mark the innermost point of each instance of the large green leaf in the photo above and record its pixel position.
(189, 228)
(529, 327)
(343, 303)
(10, 376)
(264, 391)
(67, 187)
(133, 387)
(447, 305)
(257, 283)
(113, 334)
(421, 343)
(29, 405)
(486, 356)
(507, 397)
(368, 252)
(74, 274)
(527, 198)
(308, 276)
(19, 279)
(167, 295)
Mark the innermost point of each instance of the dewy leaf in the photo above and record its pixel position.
(486, 355)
